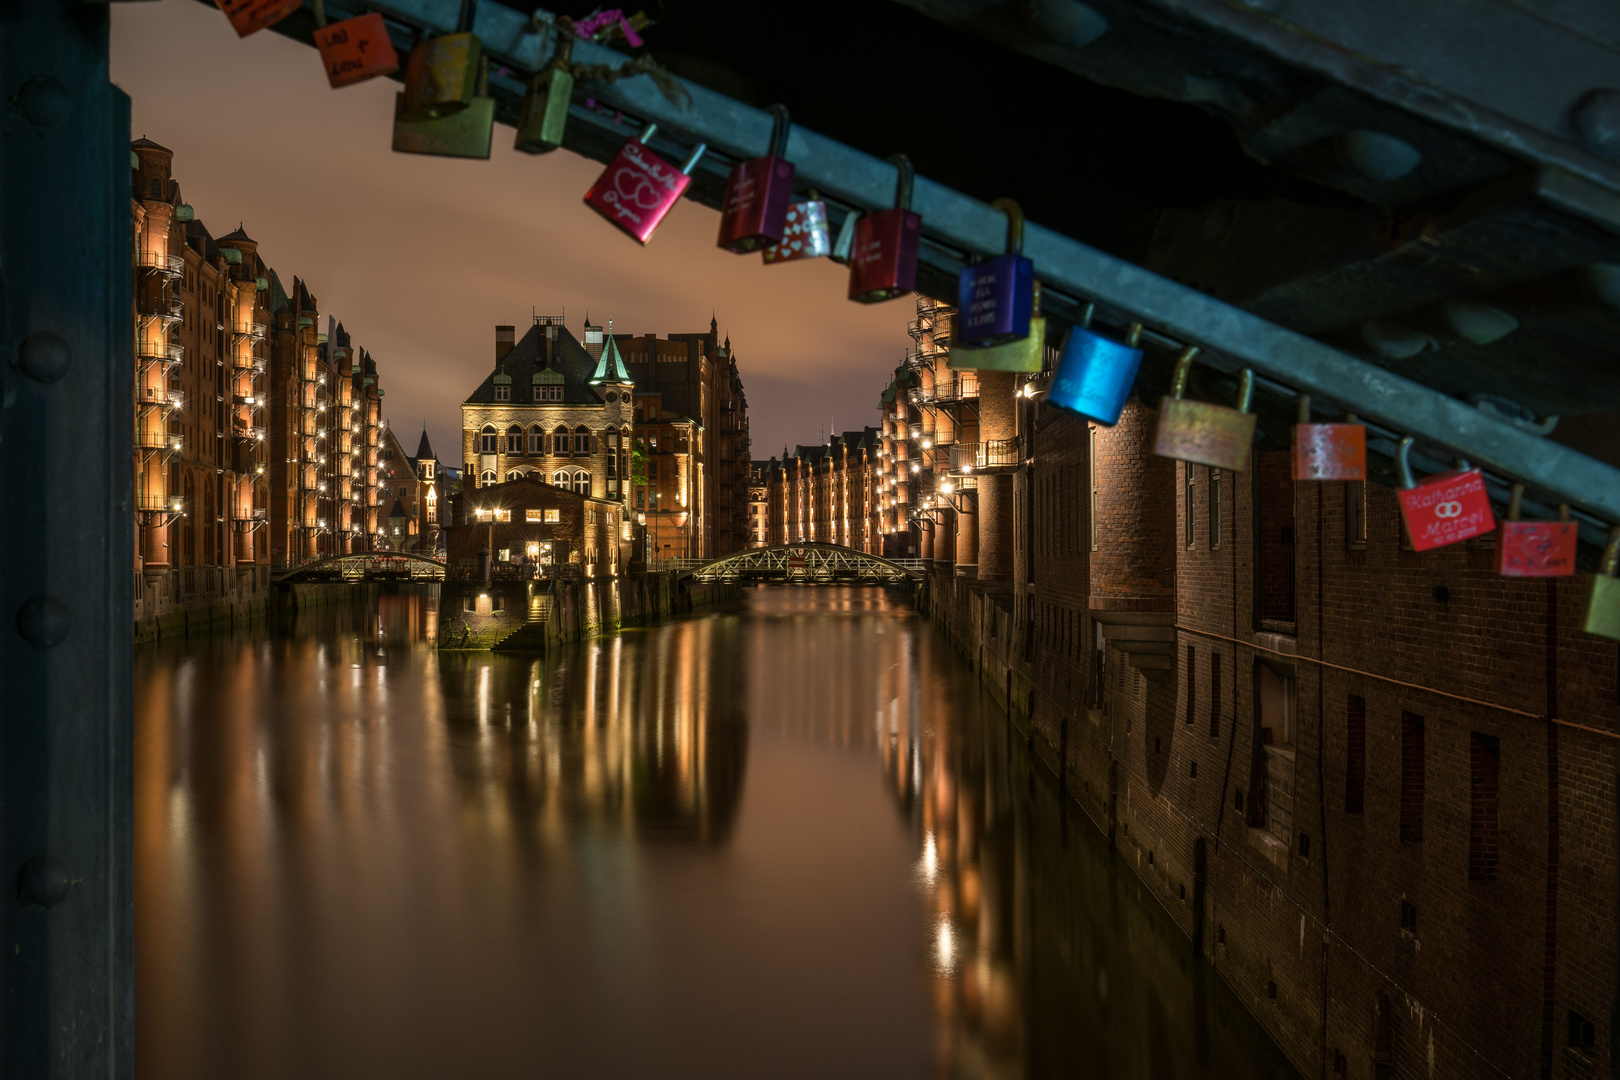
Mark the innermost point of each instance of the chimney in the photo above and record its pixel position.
(504, 336)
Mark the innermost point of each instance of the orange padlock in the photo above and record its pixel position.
(1446, 508)
(1200, 431)
(354, 50)
(1535, 548)
(251, 16)
(1328, 451)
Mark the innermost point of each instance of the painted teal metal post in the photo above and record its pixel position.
(66, 550)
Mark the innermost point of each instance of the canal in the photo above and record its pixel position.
(789, 838)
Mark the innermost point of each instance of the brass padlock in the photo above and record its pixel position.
(464, 134)
(544, 114)
(1026, 354)
(1202, 432)
(1603, 599)
(441, 77)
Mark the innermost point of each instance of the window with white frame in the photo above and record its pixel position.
(488, 440)
(582, 483)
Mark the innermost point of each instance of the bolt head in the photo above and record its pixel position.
(44, 621)
(45, 880)
(44, 356)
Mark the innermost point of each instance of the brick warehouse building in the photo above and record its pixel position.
(572, 412)
(1374, 786)
(825, 494)
(255, 435)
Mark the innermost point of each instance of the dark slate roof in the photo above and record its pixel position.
(527, 359)
(238, 234)
(397, 510)
(147, 144)
(424, 452)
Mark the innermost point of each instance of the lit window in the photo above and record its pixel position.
(561, 479)
(483, 515)
(582, 483)
(503, 515)
(531, 515)
(487, 476)
(514, 440)
(553, 516)
(503, 392)
(487, 441)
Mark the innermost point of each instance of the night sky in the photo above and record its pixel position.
(421, 257)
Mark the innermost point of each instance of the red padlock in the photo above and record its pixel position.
(1446, 508)
(356, 49)
(1535, 548)
(638, 187)
(883, 257)
(1328, 451)
(251, 16)
(753, 213)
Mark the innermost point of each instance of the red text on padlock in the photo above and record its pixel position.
(356, 49)
(1330, 452)
(1446, 508)
(1536, 549)
(249, 16)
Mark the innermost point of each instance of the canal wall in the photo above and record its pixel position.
(198, 600)
(532, 616)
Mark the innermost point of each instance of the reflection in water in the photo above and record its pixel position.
(667, 852)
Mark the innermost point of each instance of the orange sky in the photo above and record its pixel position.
(421, 257)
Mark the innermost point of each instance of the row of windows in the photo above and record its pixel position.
(535, 441)
(543, 392)
(579, 482)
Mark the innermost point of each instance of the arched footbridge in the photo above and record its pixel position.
(365, 566)
(805, 564)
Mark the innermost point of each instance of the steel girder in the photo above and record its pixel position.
(363, 564)
(801, 562)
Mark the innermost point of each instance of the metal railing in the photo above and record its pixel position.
(172, 265)
(166, 351)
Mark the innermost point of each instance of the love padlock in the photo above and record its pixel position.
(1446, 508)
(250, 16)
(543, 117)
(464, 133)
(1095, 375)
(638, 188)
(1202, 432)
(1328, 451)
(356, 49)
(1603, 594)
(996, 298)
(805, 234)
(1535, 548)
(753, 212)
(1026, 354)
(883, 256)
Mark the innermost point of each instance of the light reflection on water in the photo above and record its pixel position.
(787, 839)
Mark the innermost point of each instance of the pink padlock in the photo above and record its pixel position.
(1446, 508)
(639, 188)
(1535, 548)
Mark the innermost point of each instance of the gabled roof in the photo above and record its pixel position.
(397, 510)
(611, 367)
(239, 234)
(528, 358)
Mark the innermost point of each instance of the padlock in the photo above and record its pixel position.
(805, 234)
(441, 76)
(251, 16)
(883, 257)
(1446, 508)
(1094, 375)
(463, 134)
(1026, 354)
(1535, 548)
(1202, 432)
(354, 50)
(753, 213)
(996, 298)
(1603, 595)
(544, 113)
(1328, 451)
(638, 187)
(846, 238)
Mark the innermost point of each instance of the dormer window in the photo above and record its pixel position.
(503, 392)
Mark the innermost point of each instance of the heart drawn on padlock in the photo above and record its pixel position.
(798, 245)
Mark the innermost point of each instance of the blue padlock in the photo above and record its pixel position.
(1094, 375)
(996, 298)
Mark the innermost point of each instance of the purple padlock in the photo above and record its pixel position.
(996, 298)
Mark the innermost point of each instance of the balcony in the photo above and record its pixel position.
(248, 362)
(960, 387)
(163, 351)
(254, 331)
(155, 438)
(157, 395)
(248, 513)
(155, 502)
(163, 263)
(250, 433)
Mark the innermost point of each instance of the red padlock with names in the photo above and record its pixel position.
(1446, 508)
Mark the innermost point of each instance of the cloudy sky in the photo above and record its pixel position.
(421, 257)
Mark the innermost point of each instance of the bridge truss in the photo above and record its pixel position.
(366, 566)
(804, 563)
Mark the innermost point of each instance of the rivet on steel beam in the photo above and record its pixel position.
(1478, 323)
(1597, 122)
(44, 357)
(44, 101)
(45, 880)
(1394, 342)
(44, 621)
(1376, 156)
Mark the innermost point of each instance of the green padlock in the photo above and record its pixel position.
(1603, 599)
(544, 114)
(464, 134)
(441, 76)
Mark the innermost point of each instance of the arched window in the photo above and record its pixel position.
(582, 440)
(487, 476)
(487, 440)
(582, 483)
(515, 474)
(560, 478)
(559, 441)
(514, 440)
(537, 439)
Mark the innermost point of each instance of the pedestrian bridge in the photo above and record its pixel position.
(365, 566)
(804, 564)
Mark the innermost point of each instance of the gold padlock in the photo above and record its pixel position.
(544, 114)
(1603, 599)
(1026, 354)
(441, 77)
(465, 134)
(1202, 432)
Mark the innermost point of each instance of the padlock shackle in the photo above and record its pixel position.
(781, 127)
(902, 183)
(692, 158)
(647, 132)
(1563, 512)
(1133, 334)
(1304, 408)
(1403, 463)
(565, 41)
(1515, 499)
(467, 17)
(1085, 316)
(1184, 362)
(1609, 565)
(1245, 390)
(1015, 225)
